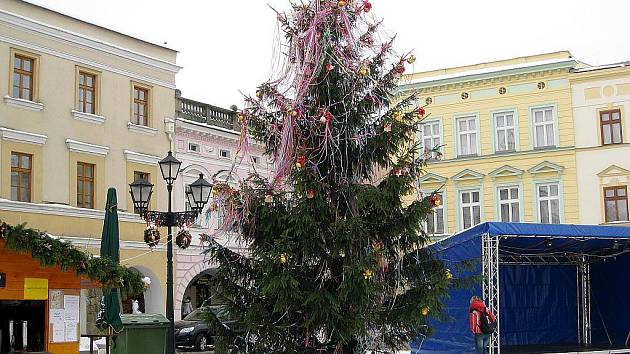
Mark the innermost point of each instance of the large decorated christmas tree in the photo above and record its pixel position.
(335, 259)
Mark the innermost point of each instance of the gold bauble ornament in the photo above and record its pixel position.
(425, 311)
(449, 275)
(397, 116)
(341, 3)
(364, 71)
(283, 258)
(259, 94)
(367, 274)
(411, 59)
(298, 165)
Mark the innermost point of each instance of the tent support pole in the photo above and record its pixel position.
(490, 270)
(585, 301)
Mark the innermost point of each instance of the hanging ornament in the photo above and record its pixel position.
(152, 235)
(367, 274)
(398, 172)
(435, 200)
(341, 3)
(300, 162)
(367, 6)
(241, 118)
(398, 116)
(268, 198)
(421, 112)
(283, 258)
(364, 71)
(387, 128)
(411, 59)
(449, 275)
(310, 193)
(326, 117)
(4, 229)
(203, 238)
(425, 311)
(400, 69)
(183, 238)
(329, 67)
(259, 93)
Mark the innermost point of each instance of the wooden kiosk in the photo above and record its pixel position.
(43, 302)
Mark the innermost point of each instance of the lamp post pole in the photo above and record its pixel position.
(197, 195)
(170, 307)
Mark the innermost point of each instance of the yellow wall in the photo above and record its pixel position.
(119, 61)
(522, 94)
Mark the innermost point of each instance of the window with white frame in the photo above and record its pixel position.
(548, 203)
(467, 135)
(509, 204)
(193, 147)
(431, 137)
(544, 127)
(435, 221)
(505, 136)
(470, 208)
(224, 153)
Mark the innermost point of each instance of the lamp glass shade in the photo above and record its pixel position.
(141, 191)
(190, 199)
(200, 191)
(170, 168)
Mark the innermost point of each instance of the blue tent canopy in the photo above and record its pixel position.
(539, 284)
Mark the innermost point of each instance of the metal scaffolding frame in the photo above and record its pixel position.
(584, 300)
(491, 289)
(491, 259)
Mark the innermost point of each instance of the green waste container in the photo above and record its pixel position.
(142, 334)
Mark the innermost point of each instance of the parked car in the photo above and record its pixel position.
(192, 331)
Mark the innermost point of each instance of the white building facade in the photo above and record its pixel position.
(207, 142)
(601, 104)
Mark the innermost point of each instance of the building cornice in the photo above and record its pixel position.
(88, 117)
(81, 40)
(63, 210)
(22, 136)
(137, 157)
(87, 62)
(22, 103)
(141, 129)
(464, 78)
(79, 146)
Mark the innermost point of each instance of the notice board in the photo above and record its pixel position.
(64, 315)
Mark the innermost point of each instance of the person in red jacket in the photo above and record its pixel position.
(478, 309)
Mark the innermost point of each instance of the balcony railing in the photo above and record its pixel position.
(206, 113)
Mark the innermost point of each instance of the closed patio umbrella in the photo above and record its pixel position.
(110, 313)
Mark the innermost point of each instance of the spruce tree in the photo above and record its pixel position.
(335, 259)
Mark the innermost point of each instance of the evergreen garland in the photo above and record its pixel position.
(50, 252)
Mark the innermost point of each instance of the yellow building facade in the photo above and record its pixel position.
(83, 108)
(505, 131)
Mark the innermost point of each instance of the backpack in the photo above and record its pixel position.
(487, 324)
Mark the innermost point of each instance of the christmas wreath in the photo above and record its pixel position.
(152, 235)
(50, 251)
(183, 238)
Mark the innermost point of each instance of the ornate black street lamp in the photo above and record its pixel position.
(197, 195)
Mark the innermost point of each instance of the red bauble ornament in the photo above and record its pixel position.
(421, 112)
(398, 171)
(367, 6)
(387, 128)
(329, 67)
(310, 194)
(300, 161)
(326, 117)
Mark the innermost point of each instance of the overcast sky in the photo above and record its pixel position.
(226, 46)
